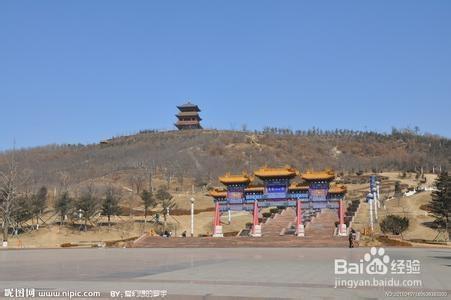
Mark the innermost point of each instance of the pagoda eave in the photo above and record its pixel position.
(189, 108)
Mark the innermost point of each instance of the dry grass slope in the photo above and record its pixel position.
(203, 155)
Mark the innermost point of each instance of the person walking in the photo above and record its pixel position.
(352, 235)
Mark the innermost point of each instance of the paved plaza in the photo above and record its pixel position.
(215, 273)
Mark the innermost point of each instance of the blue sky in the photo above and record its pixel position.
(82, 71)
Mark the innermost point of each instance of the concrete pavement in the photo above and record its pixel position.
(215, 273)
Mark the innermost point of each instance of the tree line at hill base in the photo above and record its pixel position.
(24, 211)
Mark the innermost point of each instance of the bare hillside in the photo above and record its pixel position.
(180, 157)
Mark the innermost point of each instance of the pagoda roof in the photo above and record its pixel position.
(297, 186)
(255, 189)
(231, 179)
(275, 172)
(218, 193)
(337, 189)
(188, 107)
(187, 114)
(318, 175)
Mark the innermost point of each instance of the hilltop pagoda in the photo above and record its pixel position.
(188, 117)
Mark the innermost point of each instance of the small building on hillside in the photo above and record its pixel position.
(188, 117)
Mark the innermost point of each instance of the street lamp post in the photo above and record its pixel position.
(192, 216)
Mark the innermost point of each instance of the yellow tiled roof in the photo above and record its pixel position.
(276, 172)
(337, 189)
(230, 179)
(318, 175)
(218, 193)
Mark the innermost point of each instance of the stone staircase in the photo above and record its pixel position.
(319, 233)
(323, 225)
(276, 226)
(362, 217)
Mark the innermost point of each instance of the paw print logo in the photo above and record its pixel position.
(377, 261)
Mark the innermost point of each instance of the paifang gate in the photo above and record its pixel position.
(279, 188)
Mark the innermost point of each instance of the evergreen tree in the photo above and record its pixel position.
(21, 211)
(87, 206)
(441, 200)
(166, 201)
(38, 204)
(148, 201)
(63, 205)
(394, 224)
(110, 205)
(398, 191)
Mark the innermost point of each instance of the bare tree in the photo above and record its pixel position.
(64, 179)
(150, 169)
(137, 182)
(8, 196)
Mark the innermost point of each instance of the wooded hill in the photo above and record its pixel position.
(203, 155)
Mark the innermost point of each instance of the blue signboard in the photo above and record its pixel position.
(276, 191)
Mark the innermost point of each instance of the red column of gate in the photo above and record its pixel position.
(255, 219)
(217, 218)
(341, 215)
(298, 213)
